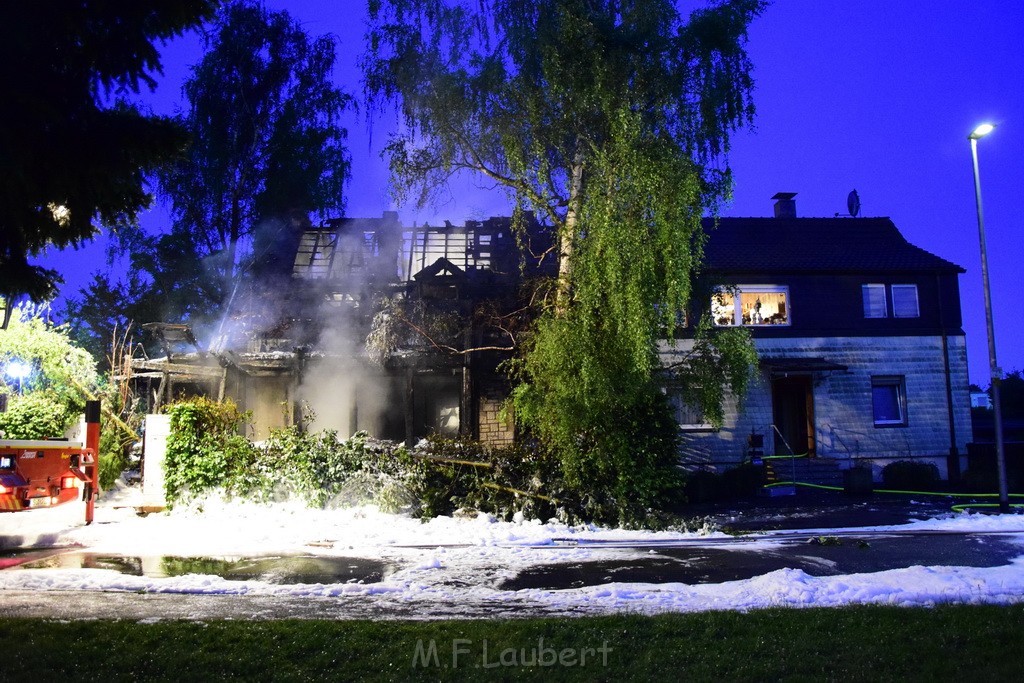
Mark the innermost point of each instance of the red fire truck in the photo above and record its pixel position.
(43, 473)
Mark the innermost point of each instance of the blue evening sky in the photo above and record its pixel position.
(872, 95)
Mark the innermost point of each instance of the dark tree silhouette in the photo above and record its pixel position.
(74, 154)
(268, 148)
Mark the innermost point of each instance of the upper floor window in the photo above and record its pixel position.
(751, 305)
(874, 301)
(904, 301)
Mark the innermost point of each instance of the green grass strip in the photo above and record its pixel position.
(867, 643)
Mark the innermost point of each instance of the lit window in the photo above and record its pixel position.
(874, 301)
(889, 401)
(751, 305)
(904, 301)
(723, 308)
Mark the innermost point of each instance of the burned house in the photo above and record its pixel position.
(370, 326)
(396, 331)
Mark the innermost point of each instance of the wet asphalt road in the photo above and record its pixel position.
(815, 541)
(829, 555)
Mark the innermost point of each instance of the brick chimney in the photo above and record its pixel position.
(785, 205)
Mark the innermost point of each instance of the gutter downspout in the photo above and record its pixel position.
(953, 459)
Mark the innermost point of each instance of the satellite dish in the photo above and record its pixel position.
(853, 203)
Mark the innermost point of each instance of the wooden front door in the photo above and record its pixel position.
(793, 413)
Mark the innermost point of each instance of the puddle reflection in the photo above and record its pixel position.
(285, 569)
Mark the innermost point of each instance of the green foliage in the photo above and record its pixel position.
(616, 142)
(907, 475)
(825, 540)
(263, 100)
(38, 415)
(72, 153)
(120, 426)
(324, 471)
(614, 433)
(49, 400)
(57, 365)
(62, 377)
(205, 452)
(267, 148)
(718, 364)
(114, 445)
(491, 89)
(105, 311)
(452, 474)
(204, 449)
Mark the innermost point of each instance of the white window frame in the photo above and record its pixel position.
(896, 313)
(737, 291)
(681, 408)
(874, 287)
(900, 383)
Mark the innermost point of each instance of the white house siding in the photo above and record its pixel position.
(843, 419)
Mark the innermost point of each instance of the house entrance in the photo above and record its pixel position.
(793, 414)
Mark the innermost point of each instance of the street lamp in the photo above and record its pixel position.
(995, 374)
(18, 371)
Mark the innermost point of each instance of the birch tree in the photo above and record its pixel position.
(611, 120)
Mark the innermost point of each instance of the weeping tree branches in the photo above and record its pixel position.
(611, 118)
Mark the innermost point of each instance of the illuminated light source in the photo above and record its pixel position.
(4, 489)
(61, 214)
(69, 483)
(19, 371)
(981, 131)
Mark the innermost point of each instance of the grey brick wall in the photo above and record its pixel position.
(843, 418)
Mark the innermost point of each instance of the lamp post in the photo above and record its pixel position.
(18, 371)
(995, 374)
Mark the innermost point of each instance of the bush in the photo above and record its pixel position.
(113, 454)
(38, 415)
(986, 480)
(907, 475)
(743, 481)
(204, 449)
(325, 471)
(505, 481)
(205, 452)
(703, 486)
